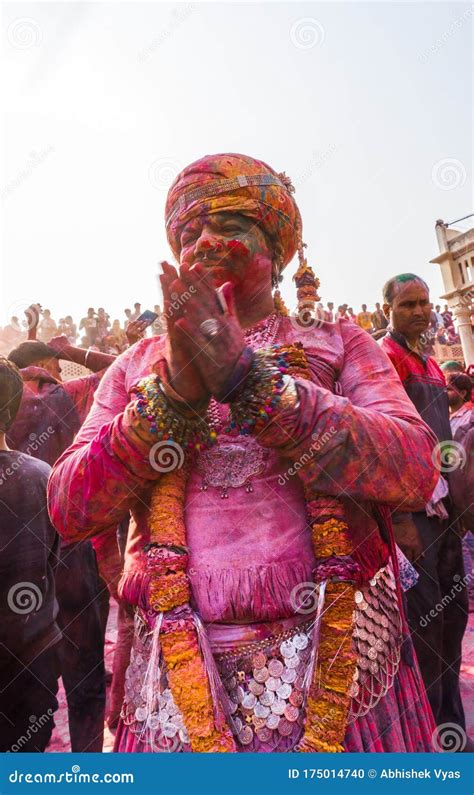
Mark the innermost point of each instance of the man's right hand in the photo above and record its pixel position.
(184, 376)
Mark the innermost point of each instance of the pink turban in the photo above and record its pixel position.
(235, 183)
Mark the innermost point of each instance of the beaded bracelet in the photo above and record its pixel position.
(262, 391)
(165, 420)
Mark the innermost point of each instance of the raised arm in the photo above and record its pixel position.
(368, 443)
(102, 475)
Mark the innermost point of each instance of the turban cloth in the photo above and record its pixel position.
(239, 184)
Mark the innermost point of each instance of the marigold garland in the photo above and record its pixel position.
(328, 697)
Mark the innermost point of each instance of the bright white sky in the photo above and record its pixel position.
(367, 106)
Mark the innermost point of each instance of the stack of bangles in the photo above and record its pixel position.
(265, 390)
(258, 387)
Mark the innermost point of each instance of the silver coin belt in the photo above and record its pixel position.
(162, 729)
(264, 682)
(377, 638)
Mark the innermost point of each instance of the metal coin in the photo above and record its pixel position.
(359, 597)
(278, 707)
(355, 676)
(296, 698)
(362, 634)
(230, 683)
(379, 644)
(246, 711)
(372, 653)
(292, 662)
(184, 736)
(172, 708)
(256, 688)
(273, 721)
(259, 660)
(371, 639)
(140, 713)
(238, 725)
(164, 715)
(370, 612)
(363, 605)
(170, 730)
(288, 675)
(364, 663)
(300, 641)
(154, 721)
(246, 735)
(287, 648)
(285, 728)
(260, 674)
(267, 698)
(353, 689)
(275, 667)
(373, 581)
(373, 667)
(249, 701)
(264, 734)
(291, 713)
(258, 723)
(261, 711)
(284, 690)
(273, 683)
(239, 694)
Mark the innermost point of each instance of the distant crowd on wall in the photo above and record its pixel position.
(97, 331)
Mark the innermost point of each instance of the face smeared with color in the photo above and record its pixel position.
(410, 310)
(234, 250)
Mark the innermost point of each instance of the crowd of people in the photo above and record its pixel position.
(95, 330)
(283, 516)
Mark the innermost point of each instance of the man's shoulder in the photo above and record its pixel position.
(28, 466)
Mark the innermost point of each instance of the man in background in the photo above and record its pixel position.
(28, 607)
(429, 538)
(364, 319)
(379, 321)
(50, 414)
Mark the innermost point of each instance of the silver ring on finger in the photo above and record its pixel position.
(210, 328)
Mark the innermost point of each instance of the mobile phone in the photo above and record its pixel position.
(148, 317)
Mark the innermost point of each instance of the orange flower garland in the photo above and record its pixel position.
(169, 589)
